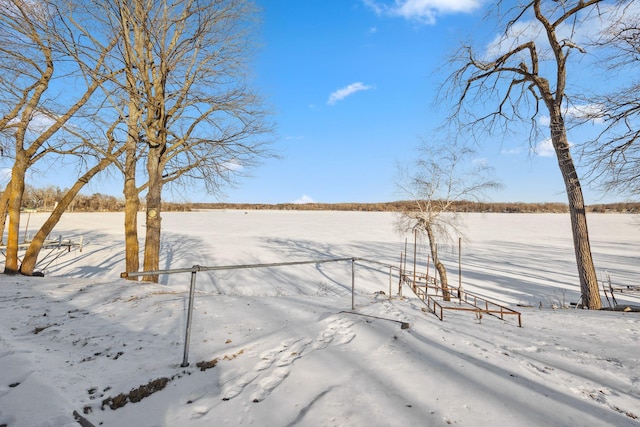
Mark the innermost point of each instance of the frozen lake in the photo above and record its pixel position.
(511, 258)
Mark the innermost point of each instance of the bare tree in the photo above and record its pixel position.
(444, 174)
(37, 49)
(105, 157)
(614, 155)
(525, 74)
(190, 108)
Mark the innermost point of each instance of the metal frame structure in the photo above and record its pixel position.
(412, 278)
(475, 303)
(197, 268)
(51, 244)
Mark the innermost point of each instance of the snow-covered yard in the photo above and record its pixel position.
(281, 346)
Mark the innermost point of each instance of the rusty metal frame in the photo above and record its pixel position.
(473, 300)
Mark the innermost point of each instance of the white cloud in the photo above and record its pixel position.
(593, 112)
(481, 161)
(519, 33)
(373, 5)
(39, 122)
(594, 26)
(304, 199)
(544, 120)
(232, 165)
(511, 151)
(342, 93)
(544, 149)
(423, 11)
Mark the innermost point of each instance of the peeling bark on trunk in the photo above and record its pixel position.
(153, 220)
(582, 248)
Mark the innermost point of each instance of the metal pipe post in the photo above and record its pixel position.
(404, 267)
(353, 283)
(459, 270)
(187, 335)
(389, 282)
(415, 243)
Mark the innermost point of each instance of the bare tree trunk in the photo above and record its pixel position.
(131, 206)
(31, 256)
(130, 190)
(15, 202)
(577, 213)
(442, 270)
(154, 201)
(131, 193)
(4, 209)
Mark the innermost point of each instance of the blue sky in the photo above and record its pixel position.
(352, 85)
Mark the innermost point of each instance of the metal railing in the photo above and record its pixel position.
(199, 268)
(476, 303)
(435, 307)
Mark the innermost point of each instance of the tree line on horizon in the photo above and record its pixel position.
(45, 200)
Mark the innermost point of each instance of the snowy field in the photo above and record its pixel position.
(281, 346)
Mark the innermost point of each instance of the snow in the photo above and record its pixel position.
(284, 345)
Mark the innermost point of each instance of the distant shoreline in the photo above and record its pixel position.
(462, 206)
(397, 206)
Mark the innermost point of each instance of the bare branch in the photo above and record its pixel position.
(510, 90)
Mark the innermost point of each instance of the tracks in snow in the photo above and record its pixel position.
(274, 365)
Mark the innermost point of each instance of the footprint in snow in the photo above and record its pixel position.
(389, 310)
(339, 330)
(267, 384)
(231, 391)
(324, 339)
(282, 356)
(294, 352)
(269, 356)
(275, 364)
